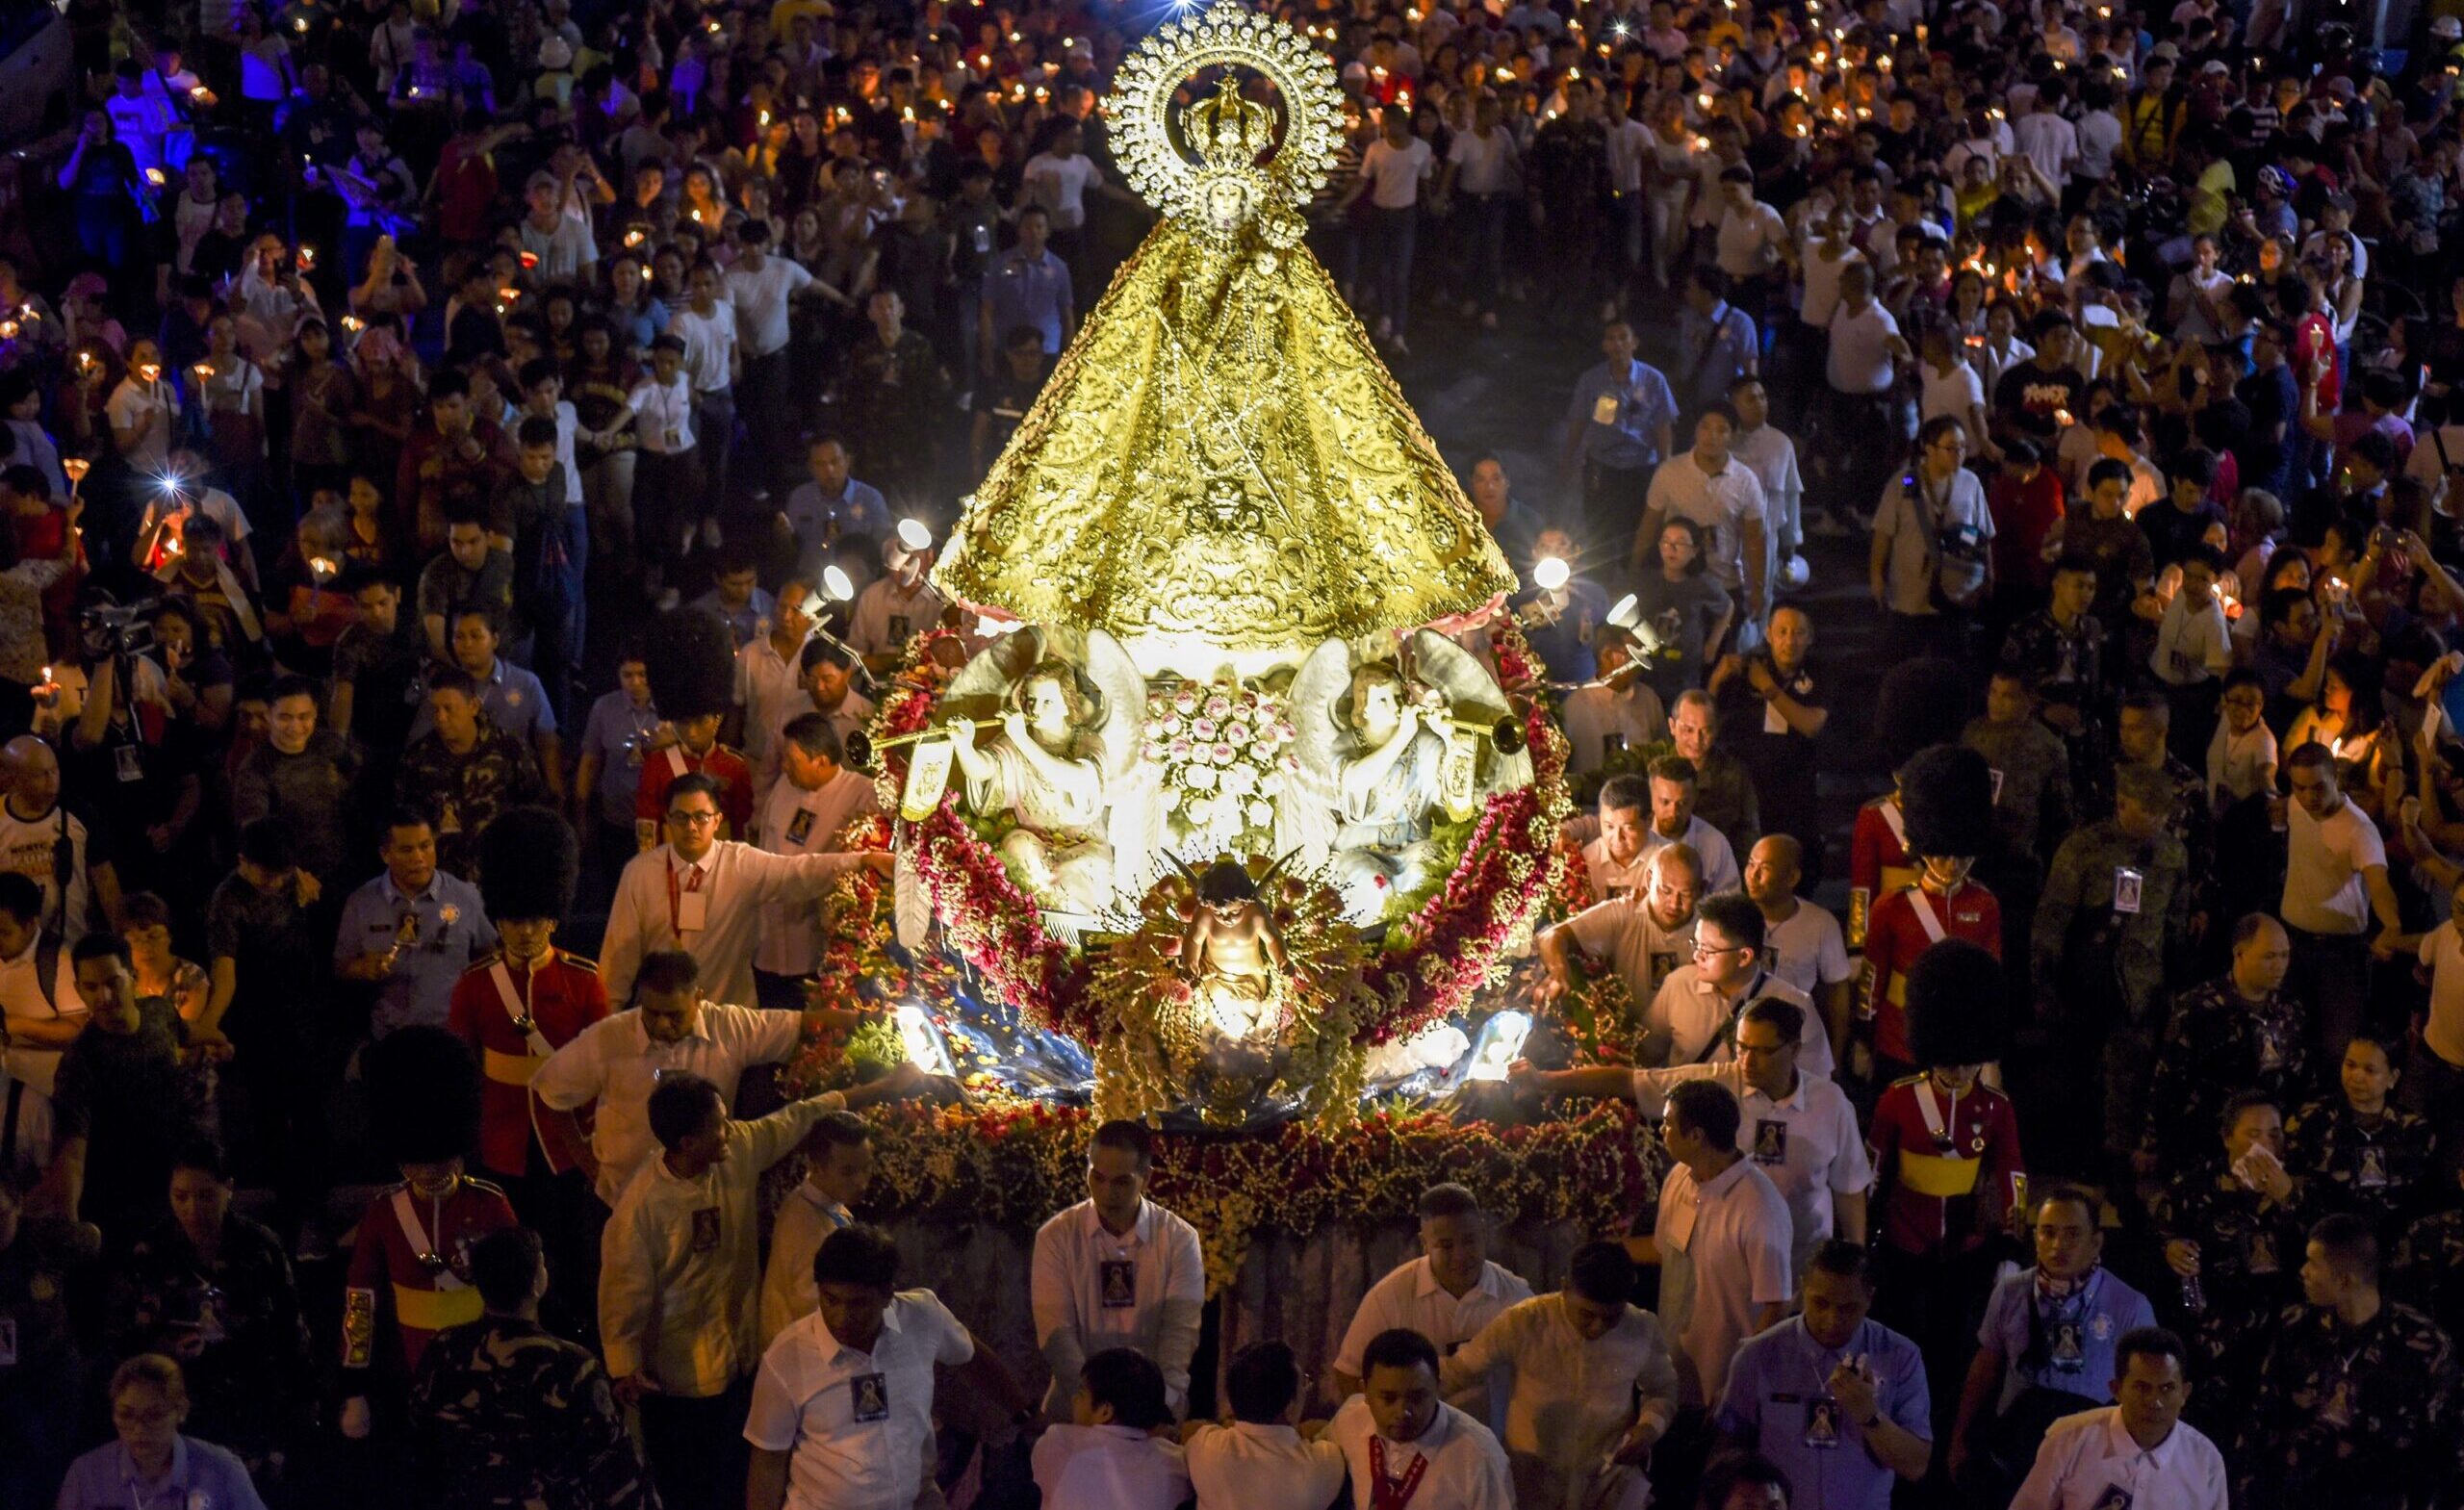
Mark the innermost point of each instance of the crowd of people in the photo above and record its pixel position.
(394, 388)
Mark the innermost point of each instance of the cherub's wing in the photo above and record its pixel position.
(1305, 817)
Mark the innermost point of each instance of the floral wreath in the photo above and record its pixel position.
(1448, 941)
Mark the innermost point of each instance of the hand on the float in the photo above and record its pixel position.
(354, 1422)
(2181, 1256)
(306, 887)
(880, 862)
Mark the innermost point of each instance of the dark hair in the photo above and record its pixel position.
(537, 430)
(292, 686)
(1128, 1381)
(1693, 530)
(667, 970)
(2349, 1243)
(145, 909)
(835, 1129)
(1625, 792)
(504, 1265)
(691, 783)
(2242, 1101)
(862, 1254)
(267, 843)
(2109, 470)
(2148, 1342)
(1402, 1347)
(203, 1155)
(681, 1106)
(454, 678)
(1263, 1381)
(817, 651)
(1843, 1258)
(1707, 1110)
(1736, 915)
(1785, 1017)
(815, 735)
(1448, 1199)
(98, 945)
(1131, 1137)
(1603, 1273)
(1675, 768)
(2065, 1195)
(1731, 1471)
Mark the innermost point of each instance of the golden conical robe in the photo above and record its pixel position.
(1221, 459)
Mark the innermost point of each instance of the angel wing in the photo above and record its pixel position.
(1474, 697)
(1110, 669)
(1305, 819)
(1132, 823)
(980, 686)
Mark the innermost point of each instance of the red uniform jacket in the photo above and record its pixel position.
(1878, 863)
(1943, 1195)
(661, 767)
(1897, 934)
(427, 1291)
(561, 997)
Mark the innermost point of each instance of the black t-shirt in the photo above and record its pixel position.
(2028, 396)
(2172, 533)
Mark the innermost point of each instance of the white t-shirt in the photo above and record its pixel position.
(856, 1424)
(761, 302)
(709, 340)
(2323, 887)
(2193, 644)
(1246, 1466)
(2049, 141)
(1058, 184)
(1822, 284)
(1394, 173)
(1628, 145)
(1486, 165)
(1750, 240)
(2099, 135)
(1861, 357)
(2443, 952)
(1954, 393)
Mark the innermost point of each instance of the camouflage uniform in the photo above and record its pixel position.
(462, 792)
(243, 1308)
(2216, 1046)
(2032, 796)
(2382, 1174)
(2355, 1416)
(2104, 967)
(2427, 1269)
(2250, 1261)
(514, 1417)
(2067, 667)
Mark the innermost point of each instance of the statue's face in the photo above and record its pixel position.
(1380, 709)
(1048, 707)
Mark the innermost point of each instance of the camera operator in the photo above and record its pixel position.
(132, 746)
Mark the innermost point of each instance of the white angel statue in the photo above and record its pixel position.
(1375, 763)
(1066, 740)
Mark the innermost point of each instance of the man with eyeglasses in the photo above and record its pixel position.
(705, 895)
(1797, 1127)
(1932, 562)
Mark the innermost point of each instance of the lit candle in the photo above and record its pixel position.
(352, 325)
(154, 176)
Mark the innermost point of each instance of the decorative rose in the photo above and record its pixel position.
(1236, 734)
(1151, 750)
(1184, 703)
(1285, 732)
(1155, 729)
(1223, 754)
(1289, 762)
(1204, 728)
(1261, 813)
(1199, 778)
(1239, 780)
(1181, 751)
(1201, 810)
(1218, 706)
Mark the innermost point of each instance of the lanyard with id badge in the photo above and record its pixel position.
(1116, 1280)
(869, 1397)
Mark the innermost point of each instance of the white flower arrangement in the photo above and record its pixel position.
(1222, 752)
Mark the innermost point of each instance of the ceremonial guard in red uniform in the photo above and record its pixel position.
(514, 1009)
(691, 665)
(411, 1260)
(1948, 794)
(1945, 1152)
(1878, 860)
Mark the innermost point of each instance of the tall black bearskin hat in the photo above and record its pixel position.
(1948, 793)
(1954, 993)
(690, 658)
(528, 865)
(1920, 703)
(422, 1095)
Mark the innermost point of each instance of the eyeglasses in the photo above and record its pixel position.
(693, 820)
(1703, 950)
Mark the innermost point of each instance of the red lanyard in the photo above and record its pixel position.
(675, 915)
(1389, 1494)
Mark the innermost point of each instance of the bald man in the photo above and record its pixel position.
(1804, 941)
(32, 827)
